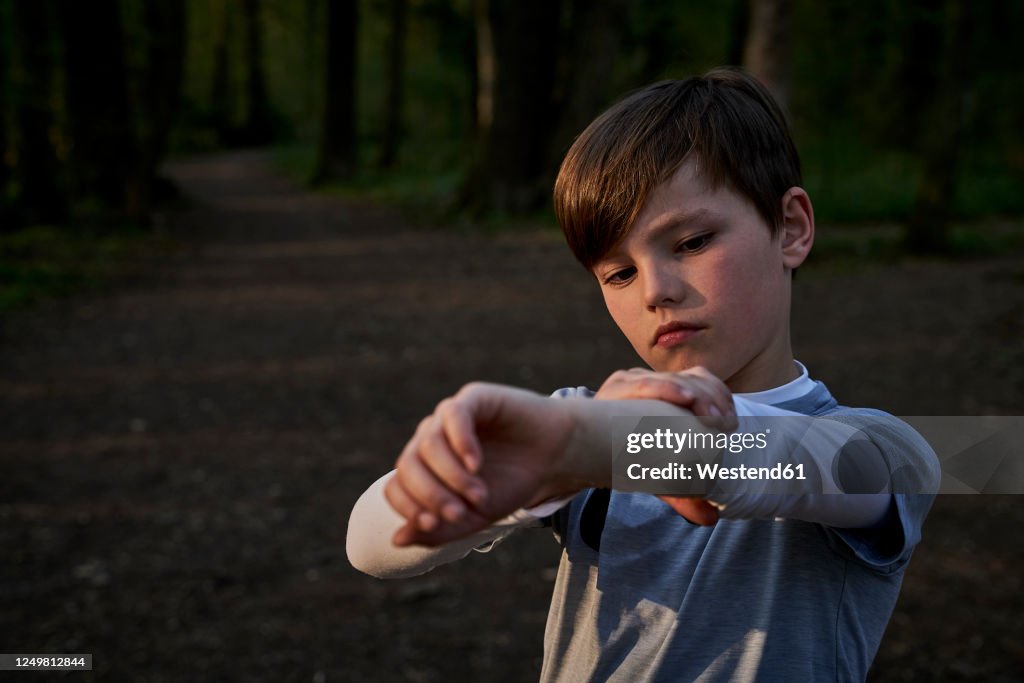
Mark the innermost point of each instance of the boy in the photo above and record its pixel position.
(684, 201)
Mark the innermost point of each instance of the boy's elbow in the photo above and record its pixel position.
(372, 553)
(361, 552)
(928, 476)
(934, 476)
(368, 540)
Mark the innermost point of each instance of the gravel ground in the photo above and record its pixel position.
(180, 454)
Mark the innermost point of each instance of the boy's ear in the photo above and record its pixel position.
(797, 227)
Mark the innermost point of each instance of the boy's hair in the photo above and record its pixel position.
(726, 121)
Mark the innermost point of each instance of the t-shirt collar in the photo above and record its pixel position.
(795, 389)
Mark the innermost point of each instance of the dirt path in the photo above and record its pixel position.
(180, 455)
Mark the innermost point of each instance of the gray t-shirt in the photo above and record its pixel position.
(644, 595)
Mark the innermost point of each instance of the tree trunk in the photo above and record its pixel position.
(103, 142)
(471, 59)
(7, 220)
(312, 18)
(510, 178)
(395, 75)
(738, 33)
(767, 54)
(337, 155)
(221, 110)
(483, 71)
(159, 87)
(910, 89)
(927, 230)
(40, 198)
(167, 19)
(258, 128)
(595, 47)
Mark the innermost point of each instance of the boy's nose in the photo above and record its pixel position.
(662, 288)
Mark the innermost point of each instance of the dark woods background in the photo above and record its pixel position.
(904, 111)
(180, 457)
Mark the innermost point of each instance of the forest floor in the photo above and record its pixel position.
(181, 452)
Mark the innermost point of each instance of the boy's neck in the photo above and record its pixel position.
(749, 380)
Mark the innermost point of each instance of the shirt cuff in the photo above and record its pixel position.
(545, 509)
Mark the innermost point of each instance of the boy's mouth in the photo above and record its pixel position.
(674, 333)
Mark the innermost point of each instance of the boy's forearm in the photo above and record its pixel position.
(586, 463)
(587, 459)
(532, 449)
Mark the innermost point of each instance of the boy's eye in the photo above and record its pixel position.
(694, 243)
(620, 276)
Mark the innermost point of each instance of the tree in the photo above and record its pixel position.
(337, 153)
(258, 126)
(398, 10)
(593, 48)
(482, 71)
(766, 54)
(509, 177)
(7, 222)
(739, 30)
(220, 84)
(942, 134)
(158, 85)
(103, 150)
(311, 24)
(40, 199)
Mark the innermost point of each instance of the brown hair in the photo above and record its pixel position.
(725, 120)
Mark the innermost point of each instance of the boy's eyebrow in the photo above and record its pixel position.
(681, 219)
(668, 223)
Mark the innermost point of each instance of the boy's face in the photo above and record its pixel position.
(699, 280)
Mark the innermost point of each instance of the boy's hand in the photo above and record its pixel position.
(440, 485)
(695, 389)
(444, 492)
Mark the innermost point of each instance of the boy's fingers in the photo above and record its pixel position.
(427, 521)
(648, 388)
(712, 416)
(461, 433)
(727, 422)
(436, 454)
(656, 391)
(696, 510)
(444, 533)
(695, 389)
(400, 501)
(412, 445)
(427, 491)
(404, 505)
(713, 393)
(405, 536)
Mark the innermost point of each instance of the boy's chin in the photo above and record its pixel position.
(681, 363)
(671, 365)
(678, 359)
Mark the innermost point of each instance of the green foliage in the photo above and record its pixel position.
(990, 238)
(424, 192)
(676, 40)
(850, 182)
(44, 262)
(855, 118)
(845, 248)
(853, 103)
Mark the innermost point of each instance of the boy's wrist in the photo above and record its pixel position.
(586, 461)
(574, 467)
